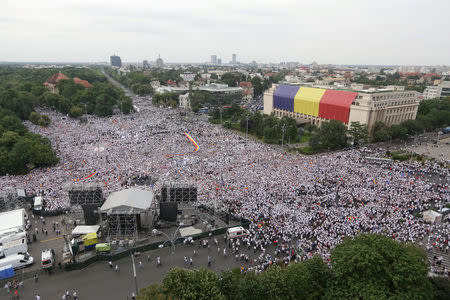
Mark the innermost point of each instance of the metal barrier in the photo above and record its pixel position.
(144, 248)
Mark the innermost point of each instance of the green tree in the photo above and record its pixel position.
(372, 266)
(76, 112)
(44, 121)
(308, 280)
(153, 292)
(380, 132)
(359, 133)
(195, 284)
(441, 286)
(9, 138)
(257, 84)
(273, 281)
(311, 128)
(398, 132)
(34, 118)
(333, 134)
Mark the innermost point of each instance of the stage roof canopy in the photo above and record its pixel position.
(129, 201)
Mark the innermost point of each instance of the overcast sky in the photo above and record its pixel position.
(400, 32)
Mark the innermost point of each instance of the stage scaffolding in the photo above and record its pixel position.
(122, 226)
(10, 199)
(180, 192)
(87, 195)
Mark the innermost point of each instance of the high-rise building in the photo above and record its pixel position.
(145, 64)
(219, 61)
(116, 61)
(214, 59)
(233, 59)
(159, 62)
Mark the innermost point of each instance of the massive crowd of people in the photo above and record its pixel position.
(311, 201)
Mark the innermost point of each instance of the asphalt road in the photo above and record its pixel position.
(98, 281)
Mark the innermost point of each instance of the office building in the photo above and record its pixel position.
(430, 92)
(443, 90)
(188, 76)
(116, 61)
(315, 105)
(219, 61)
(233, 59)
(159, 62)
(145, 65)
(214, 59)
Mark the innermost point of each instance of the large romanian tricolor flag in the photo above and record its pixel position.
(327, 104)
(197, 147)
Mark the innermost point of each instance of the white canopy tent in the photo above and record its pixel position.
(432, 216)
(129, 201)
(84, 229)
(13, 220)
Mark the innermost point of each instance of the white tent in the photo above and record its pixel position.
(189, 231)
(431, 216)
(84, 229)
(12, 220)
(129, 201)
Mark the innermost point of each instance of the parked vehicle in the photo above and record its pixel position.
(17, 246)
(236, 232)
(17, 261)
(48, 258)
(37, 203)
(103, 248)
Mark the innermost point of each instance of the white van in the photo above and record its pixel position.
(37, 203)
(18, 246)
(236, 232)
(48, 258)
(17, 261)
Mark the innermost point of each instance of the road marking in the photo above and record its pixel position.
(49, 240)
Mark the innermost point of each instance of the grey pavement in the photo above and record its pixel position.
(98, 281)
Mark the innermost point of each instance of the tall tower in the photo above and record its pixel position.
(233, 59)
(159, 62)
(213, 59)
(116, 61)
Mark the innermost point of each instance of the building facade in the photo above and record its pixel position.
(213, 59)
(116, 61)
(159, 62)
(184, 101)
(430, 92)
(314, 105)
(233, 59)
(443, 90)
(188, 76)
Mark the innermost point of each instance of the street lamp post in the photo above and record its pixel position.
(283, 129)
(246, 131)
(134, 272)
(220, 109)
(169, 239)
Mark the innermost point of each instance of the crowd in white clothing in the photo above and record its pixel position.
(313, 201)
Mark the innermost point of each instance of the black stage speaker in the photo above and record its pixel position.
(168, 211)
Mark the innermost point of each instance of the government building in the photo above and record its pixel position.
(315, 105)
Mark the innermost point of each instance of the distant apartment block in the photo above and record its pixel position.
(443, 90)
(116, 61)
(214, 59)
(188, 76)
(430, 92)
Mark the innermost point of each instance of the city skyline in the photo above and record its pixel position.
(343, 33)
